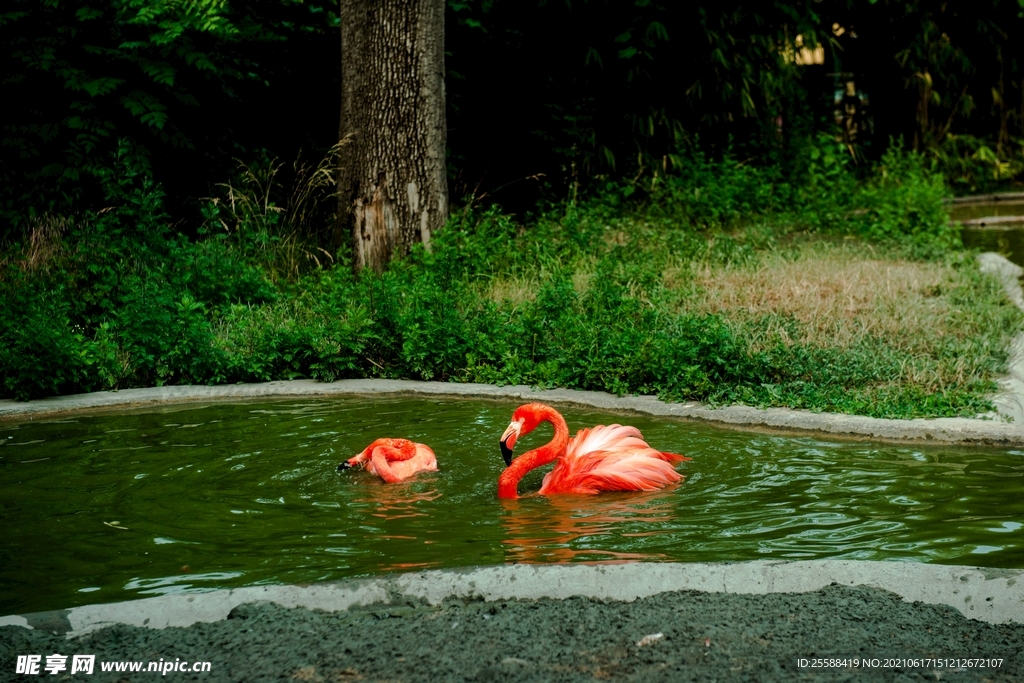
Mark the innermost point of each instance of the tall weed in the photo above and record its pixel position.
(280, 219)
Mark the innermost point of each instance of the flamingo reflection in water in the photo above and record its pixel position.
(563, 529)
(391, 503)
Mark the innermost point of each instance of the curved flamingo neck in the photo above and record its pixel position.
(508, 482)
(390, 450)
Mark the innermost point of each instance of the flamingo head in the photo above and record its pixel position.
(361, 457)
(350, 463)
(524, 420)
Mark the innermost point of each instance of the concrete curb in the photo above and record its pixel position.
(1009, 402)
(992, 220)
(954, 430)
(985, 198)
(991, 595)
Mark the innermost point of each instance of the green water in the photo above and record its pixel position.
(1003, 238)
(1006, 239)
(963, 212)
(243, 494)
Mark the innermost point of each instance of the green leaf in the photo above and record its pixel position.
(87, 13)
(161, 72)
(101, 86)
(656, 29)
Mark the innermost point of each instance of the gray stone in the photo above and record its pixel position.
(939, 430)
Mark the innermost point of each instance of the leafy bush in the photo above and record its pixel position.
(40, 353)
(132, 303)
(900, 201)
(971, 164)
(903, 201)
(716, 193)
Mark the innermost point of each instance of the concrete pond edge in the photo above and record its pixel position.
(953, 430)
(1009, 401)
(990, 595)
(1005, 427)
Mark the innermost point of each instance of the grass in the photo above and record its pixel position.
(841, 294)
(896, 337)
(943, 322)
(780, 304)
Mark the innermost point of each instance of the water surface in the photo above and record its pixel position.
(115, 507)
(1006, 238)
(974, 210)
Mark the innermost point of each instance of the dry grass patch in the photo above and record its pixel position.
(838, 298)
(519, 289)
(43, 245)
(930, 327)
(513, 290)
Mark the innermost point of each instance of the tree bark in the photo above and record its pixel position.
(392, 186)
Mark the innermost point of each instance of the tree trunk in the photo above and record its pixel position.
(392, 187)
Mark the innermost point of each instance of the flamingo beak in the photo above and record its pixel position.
(350, 464)
(508, 440)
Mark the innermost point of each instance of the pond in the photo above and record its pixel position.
(1004, 235)
(115, 507)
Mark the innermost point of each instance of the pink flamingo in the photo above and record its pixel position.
(394, 459)
(604, 458)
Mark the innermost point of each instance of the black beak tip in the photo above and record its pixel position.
(506, 454)
(344, 466)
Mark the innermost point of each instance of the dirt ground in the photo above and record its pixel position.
(704, 637)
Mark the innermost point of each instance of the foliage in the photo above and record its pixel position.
(542, 96)
(281, 227)
(972, 165)
(170, 76)
(40, 353)
(715, 193)
(126, 300)
(595, 88)
(905, 202)
(901, 201)
(576, 296)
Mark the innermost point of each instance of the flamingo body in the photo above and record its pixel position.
(394, 460)
(610, 458)
(604, 458)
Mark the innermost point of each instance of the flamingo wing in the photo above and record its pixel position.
(611, 458)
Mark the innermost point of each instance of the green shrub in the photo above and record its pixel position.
(133, 303)
(710, 193)
(903, 202)
(972, 165)
(41, 354)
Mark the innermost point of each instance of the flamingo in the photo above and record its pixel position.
(603, 458)
(394, 459)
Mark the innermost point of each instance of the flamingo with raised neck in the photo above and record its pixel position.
(393, 460)
(603, 458)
